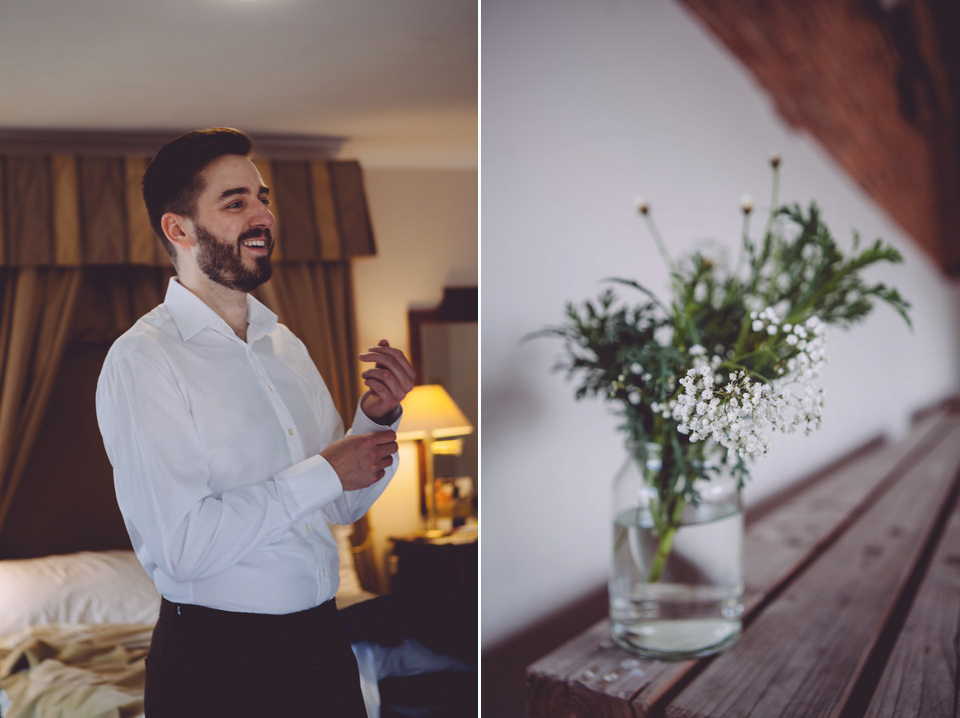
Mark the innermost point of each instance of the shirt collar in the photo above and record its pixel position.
(260, 320)
(191, 314)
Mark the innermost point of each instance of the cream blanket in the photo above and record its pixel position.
(77, 670)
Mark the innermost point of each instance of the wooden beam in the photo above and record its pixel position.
(871, 86)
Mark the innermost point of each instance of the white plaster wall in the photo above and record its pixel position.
(425, 225)
(586, 103)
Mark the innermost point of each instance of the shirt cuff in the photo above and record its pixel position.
(308, 485)
(363, 424)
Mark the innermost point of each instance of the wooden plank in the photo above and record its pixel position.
(776, 547)
(591, 676)
(920, 678)
(550, 680)
(567, 657)
(786, 540)
(803, 653)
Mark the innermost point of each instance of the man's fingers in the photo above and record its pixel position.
(385, 436)
(387, 379)
(382, 457)
(390, 449)
(390, 380)
(383, 447)
(401, 369)
(397, 382)
(391, 358)
(361, 460)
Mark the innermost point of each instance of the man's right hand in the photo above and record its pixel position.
(361, 460)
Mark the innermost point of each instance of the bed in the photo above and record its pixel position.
(75, 630)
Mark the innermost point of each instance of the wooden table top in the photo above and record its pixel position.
(852, 606)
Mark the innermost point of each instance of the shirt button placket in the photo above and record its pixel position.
(279, 408)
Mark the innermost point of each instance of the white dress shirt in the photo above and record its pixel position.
(215, 449)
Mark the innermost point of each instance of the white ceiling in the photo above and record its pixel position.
(396, 78)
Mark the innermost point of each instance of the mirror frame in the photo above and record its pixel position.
(459, 304)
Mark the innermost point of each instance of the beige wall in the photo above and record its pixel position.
(425, 224)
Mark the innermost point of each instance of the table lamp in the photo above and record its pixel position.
(429, 414)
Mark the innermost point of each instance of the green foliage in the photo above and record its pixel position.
(823, 280)
(635, 354)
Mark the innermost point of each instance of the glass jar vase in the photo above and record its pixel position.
(676, 586)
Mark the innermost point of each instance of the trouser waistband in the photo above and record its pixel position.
(172, 611)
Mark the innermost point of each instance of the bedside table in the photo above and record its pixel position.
(421, 563)
(433, 601)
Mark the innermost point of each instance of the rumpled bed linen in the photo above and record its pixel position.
(77, 670)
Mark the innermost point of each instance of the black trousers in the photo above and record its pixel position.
(206, 662)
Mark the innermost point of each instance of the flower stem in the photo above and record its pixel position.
(774, 200)
(667, 531)
(663, 551)
(744, 243)
(658, 240)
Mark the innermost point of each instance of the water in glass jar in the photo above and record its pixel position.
(694, 609)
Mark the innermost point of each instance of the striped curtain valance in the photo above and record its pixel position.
(73, 210)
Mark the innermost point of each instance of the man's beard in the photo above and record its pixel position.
(223, 263)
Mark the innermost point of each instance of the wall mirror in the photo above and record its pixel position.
(444, 350)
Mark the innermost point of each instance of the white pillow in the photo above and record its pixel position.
(110, 587)
(85, 587)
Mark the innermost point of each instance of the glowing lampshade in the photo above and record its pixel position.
(430, 413)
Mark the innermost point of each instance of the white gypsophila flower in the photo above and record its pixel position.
(741, 414)
(663, 335)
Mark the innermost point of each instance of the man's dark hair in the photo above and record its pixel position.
(172, 182)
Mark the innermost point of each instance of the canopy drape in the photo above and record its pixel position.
(36, 306)
(72, 221)
(72, 210)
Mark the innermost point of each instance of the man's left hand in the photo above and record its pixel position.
(387, 383)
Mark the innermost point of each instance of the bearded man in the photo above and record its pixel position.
(229, 457)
